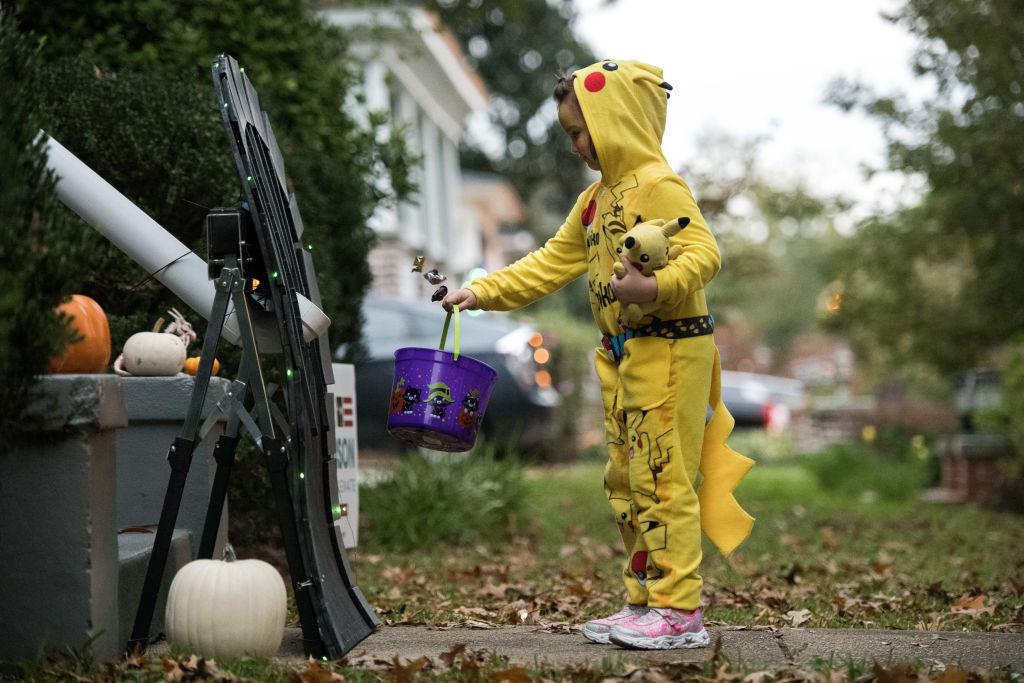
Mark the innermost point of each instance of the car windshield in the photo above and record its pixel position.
(392, 324)
(383, 323)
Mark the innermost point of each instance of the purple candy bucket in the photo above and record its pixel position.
(438, 398)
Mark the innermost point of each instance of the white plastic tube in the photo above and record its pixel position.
(157, 251)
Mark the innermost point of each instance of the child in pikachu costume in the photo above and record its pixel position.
(659, 377)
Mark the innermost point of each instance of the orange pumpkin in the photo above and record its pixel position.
(90, 354)
(192, 366)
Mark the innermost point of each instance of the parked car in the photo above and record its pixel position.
(762, 401)
(522, 403)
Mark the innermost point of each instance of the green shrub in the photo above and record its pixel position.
(158, 139)
(856, 470)
(41, 249)
(763, 446)
(454, 500)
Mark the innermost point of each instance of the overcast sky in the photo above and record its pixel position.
(752, 67)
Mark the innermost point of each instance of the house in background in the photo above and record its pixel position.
(415, 70)
(493, 210)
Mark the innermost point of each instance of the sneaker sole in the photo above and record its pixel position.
(595, 636)
(686, 640)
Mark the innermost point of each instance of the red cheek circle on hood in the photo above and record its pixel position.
(588, 213)
(594, 81)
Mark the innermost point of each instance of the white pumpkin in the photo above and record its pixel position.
(153, 354)
(225, 609)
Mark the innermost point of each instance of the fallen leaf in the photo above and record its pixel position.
(828, 537)
(315, 673)
(475, 623)
(459, 649)
(516, 674)
(898, 674)
(797, 617)
(880, 567)
(196, 668)
(953, 675)
(404, 673)
(972, 605)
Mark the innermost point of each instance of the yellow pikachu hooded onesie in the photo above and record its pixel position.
(658, 379)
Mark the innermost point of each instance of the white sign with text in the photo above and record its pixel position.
(346, 453)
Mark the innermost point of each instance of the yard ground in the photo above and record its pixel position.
(816, 558)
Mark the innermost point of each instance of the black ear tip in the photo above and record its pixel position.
(683, 222)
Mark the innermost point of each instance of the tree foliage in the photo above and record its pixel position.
(775, 239)
(517, 47)
(130, 91)
(939, 283)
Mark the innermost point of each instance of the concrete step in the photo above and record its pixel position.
(134, 549)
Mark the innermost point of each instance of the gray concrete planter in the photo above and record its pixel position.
(92, 462)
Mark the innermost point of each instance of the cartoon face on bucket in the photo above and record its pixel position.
(470, 405)
(440, 397)
(404, 398)
(409, 399)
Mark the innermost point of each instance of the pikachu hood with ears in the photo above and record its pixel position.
(624, 104)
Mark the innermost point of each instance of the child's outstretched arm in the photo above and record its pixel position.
(465, 298)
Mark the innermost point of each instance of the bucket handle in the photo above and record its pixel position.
(444, 332)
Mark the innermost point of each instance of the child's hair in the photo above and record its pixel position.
(563, 89)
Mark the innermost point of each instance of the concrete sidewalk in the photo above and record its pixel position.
(769, 649)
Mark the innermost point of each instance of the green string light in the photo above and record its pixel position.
(302, 475)
(289, 372)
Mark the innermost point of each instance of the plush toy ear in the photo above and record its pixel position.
(675, 226)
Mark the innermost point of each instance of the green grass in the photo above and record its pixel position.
(854, 559)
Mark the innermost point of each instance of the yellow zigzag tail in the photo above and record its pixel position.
(721, 517)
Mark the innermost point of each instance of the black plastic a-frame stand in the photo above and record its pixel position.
(258, 267)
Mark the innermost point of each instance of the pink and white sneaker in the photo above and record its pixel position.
(661, 629)
(598, 629)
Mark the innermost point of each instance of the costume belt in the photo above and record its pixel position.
(679, 328)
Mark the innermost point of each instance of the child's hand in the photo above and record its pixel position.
(465, 298)
(634, 287)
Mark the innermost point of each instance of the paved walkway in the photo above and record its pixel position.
(754, 648)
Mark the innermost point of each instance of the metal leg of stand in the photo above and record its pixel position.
(277, 461)
(224, 455)
(180, 459)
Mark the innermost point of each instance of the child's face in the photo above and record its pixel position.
(571, 118)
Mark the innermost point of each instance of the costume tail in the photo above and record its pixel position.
(721, 517)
